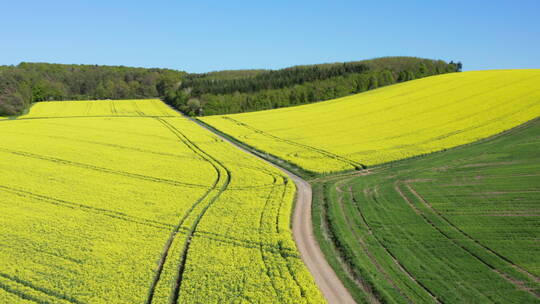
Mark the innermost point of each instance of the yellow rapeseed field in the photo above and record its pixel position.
(128, 202)
(391, 123)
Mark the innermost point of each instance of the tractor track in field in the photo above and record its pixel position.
(372, 193)
(58, 297)
(355, 165)
(101, 211)
(329, 284)
(110, 145)
(284, 251)
(518, 284)
(427, 112)
(281, 250)
(101, 169)
(193, 229)
(174, 232)
(364, 246)
(121, 173)
(190, 234)
(227, 179)
(261, 238)
(326, 279)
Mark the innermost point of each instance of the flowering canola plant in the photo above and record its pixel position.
(390, 123)
(126, 201)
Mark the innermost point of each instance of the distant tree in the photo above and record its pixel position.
(422, 70)
(11, 104)
(35, 82)
(217, 92)
(386, 78)
(373, 82)
(193, 106)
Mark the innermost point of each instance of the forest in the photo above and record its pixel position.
(252, 90)
(221, 92)
(26, 83)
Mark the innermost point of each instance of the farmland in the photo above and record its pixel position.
(126, 201)
(458, 226)
(270, 152)
(425, 191)
(391, 123)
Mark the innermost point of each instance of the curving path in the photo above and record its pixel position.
(329, 284)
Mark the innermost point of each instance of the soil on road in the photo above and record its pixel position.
(326, 279)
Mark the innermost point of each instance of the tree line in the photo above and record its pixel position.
(220, 92)
(270, 79)
(224, 93)
(26, 83)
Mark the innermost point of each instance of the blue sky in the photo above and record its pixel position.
(201, 36)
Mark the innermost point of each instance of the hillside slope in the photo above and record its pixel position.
(241, 91)
(390, 123)
(459, 226)
(126, 201)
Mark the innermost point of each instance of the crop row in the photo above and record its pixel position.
(146, 208)
(390, 123)
(452, 227)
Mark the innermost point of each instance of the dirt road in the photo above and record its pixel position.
(329, 284)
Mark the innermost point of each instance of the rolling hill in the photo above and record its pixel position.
(117, 201)
(390, 123)
(458, 226)
(226, 92)
(126, 201)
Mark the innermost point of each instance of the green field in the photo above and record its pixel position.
(460, 226)
(425, 191)
(270, 152)
(126, 201)
(457, 226)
